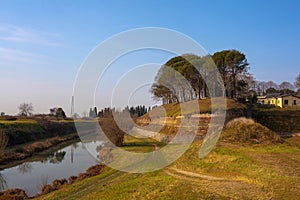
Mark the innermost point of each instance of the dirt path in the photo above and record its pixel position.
(233, 189)
(172, 171)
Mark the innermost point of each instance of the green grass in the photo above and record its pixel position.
(252, 172)
(120, 185)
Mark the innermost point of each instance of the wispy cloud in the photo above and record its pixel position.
(12, 33)
(9, 56)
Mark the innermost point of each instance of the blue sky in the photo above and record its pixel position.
(43, 43)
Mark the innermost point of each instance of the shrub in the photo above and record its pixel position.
(13, 194)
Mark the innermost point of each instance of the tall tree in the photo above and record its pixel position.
(186, 77)
(60, 113)
(261, 87)
(53, 111)
(219, 59)
(271, 84)
(91, 113)
(25, 109)
(271, 91)
(231, 63)
(286, 85)
(95, 112)
(183, 78)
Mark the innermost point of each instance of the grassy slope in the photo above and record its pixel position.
(248, 172)
(174, 109)
(256, 172)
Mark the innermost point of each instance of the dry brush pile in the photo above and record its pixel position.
(243, 130)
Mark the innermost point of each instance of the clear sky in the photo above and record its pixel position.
(43, 43)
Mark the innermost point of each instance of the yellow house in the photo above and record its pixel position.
(268, 99)
(287, 100)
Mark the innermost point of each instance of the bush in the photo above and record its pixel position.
(13, 194)
(47, 189)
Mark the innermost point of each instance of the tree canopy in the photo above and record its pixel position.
(232, 64)
(187, 77)
(60, 113)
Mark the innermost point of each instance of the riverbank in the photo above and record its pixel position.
(231, 171)
(255, 165)
(31, 151)
(26, 130)
(59, 181)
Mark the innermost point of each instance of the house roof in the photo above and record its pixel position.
(277, 95)
(285, 95)
(273, 95)
(261, 97)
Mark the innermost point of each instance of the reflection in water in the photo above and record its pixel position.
(25, 167)
(104, 153)
(3, 183)
(68, 161)
(54, 158)
(75, 145)
(57, 157)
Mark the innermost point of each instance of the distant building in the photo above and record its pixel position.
(286, 100)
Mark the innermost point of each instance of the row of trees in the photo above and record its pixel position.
(26, 109)
(59, 113)
(267, 87)
(136, 111)
(187, 77)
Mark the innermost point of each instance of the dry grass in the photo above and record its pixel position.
(243, 130)
(190, 107)
(238, 121)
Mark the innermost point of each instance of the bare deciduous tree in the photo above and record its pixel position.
(286, 85)
(25, 109)
(297, 83)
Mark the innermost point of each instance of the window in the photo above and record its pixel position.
(295, 103)
(286, 102)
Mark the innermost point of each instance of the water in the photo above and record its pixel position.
(63, 163)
